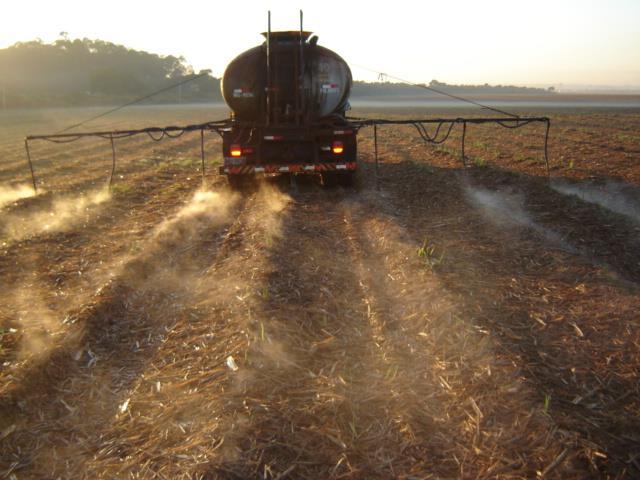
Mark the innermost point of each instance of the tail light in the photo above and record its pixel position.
(337, 147)
(236, 150)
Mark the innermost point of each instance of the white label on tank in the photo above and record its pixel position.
(242, 93)
(330, 87)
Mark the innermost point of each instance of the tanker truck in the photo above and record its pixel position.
(288, 99)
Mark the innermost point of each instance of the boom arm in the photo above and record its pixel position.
(155, 133)
(444, 127)
(441, 135)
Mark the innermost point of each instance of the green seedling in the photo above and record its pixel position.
(265, 294)
(428, 253)
(479, 162)
(121, 189)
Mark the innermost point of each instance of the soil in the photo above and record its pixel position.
(438, 321)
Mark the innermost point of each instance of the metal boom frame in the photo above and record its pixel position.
(158, 133)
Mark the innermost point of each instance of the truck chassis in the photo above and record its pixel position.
(327, 149)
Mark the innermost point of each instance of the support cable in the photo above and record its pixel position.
(133, 102)
(440, 92)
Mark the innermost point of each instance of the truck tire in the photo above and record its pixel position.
(339, 179)
(239, 182)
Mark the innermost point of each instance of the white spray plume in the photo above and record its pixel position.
(211, 206)
(61, 215)
(614, 196)
(506, 210)
(12, 193)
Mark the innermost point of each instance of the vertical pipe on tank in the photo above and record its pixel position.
(268, 66)
(301, 72)
(296, 86)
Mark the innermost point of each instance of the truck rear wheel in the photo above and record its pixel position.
(342, 179)
(240, 182)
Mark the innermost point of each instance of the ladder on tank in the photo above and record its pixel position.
(274, 58)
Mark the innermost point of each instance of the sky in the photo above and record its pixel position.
(538, 43)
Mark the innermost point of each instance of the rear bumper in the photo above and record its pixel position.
(288, 168)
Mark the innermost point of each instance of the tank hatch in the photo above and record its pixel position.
(287, 37)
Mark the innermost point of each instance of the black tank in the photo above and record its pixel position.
(324, 83)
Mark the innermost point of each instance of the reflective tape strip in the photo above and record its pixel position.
(238, 170)
(293, 168)
(273, 137)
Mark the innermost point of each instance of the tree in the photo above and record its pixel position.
(85, 71)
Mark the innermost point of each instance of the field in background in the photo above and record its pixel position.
(456, 322)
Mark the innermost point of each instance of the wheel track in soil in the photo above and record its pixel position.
(310, 342)
(326, 329)
(112, 326)
(303, 344)
(55, 258)
(320, 340)
(190, 377)
(446, 364)
(599, 236)
(532, 299)
(265, 421)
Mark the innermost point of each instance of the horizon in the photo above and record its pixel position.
(598, 43)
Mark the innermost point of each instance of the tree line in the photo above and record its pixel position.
(83, 72)
(391, 89)
(93, 72)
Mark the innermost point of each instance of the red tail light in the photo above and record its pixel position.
(236, 150)
(337, 147)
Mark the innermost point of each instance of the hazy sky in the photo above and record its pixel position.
(550, 42)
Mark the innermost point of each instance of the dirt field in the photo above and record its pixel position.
(477, 322)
